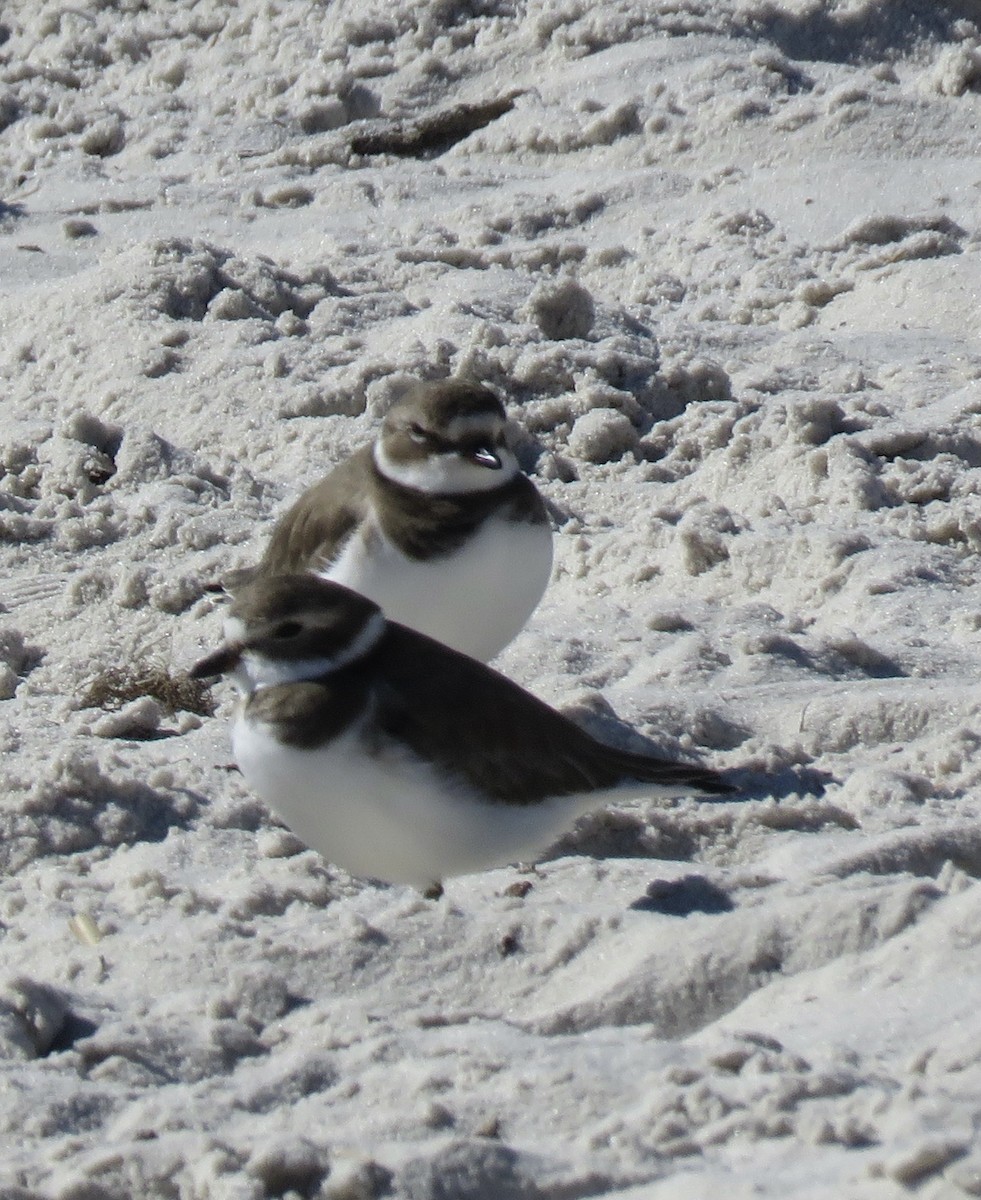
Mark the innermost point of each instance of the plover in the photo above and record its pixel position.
(434, 521)
(400, 759)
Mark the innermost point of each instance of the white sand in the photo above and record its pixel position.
(723, 259)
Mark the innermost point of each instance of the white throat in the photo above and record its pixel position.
(445, 474)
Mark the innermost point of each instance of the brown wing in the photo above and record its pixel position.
(473, 721)
(313, 531)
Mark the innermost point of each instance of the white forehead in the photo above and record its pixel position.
(444, 474)
(263, 670)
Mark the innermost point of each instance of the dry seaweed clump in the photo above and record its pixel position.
(116, 686)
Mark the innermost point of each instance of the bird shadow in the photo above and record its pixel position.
(10, 212)
(816, 35)
(681, 897)
(597, 717)
(666, 833)
(792, 782)
(749, 782)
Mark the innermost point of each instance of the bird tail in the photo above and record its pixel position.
(670, 778)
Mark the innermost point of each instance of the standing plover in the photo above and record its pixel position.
(398, 758)
(434, 521)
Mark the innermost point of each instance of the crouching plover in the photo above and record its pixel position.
(434, 521)
(398, 758)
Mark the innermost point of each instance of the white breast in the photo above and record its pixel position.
(475, 600)
(391, 817)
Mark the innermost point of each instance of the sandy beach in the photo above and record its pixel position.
(722, 261)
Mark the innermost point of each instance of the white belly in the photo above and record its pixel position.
(475, 600)
(391, 818)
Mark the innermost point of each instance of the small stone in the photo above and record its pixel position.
(509, 944)
(669, 622)
(519, 889)
(731, 1060)
(76, 227)
(930, 1156)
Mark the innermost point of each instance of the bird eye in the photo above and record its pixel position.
(417, 433)
(288, 629)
